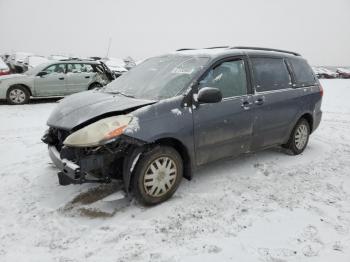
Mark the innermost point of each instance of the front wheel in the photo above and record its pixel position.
(299, 138)
(17, 95)
(157, 175)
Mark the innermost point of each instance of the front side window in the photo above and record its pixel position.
(270, 74)
(303, 73)
(55, 69)
(229, 77)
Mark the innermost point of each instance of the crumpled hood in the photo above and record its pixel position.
(81, 107)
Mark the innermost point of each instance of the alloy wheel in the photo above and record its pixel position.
(17, 96)
(301, 136)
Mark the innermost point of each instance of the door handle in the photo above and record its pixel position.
(245, 105)
(87, 76)
(260, 101)
(61, 78)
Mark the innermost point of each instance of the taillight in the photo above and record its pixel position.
(321, 90)
(4, 72)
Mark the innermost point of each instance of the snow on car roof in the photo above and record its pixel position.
(22, 55)
(345, 70)
(34, 61)
(203, 51)
(112, 61)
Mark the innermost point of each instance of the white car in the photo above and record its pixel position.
(116, 65)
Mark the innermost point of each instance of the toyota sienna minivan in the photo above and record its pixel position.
(173, 113)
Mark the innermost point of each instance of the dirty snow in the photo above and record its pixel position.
(266, 206)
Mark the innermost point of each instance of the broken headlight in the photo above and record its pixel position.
(100, 132)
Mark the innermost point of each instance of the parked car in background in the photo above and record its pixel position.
(33, 61)
(343, 72)
(176, 112)
(16, 61)
(317, 71)
(129, 62)
(116, 65)
(327, 73)
(54, 78)
(4, 69)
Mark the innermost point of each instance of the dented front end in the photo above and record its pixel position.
(97, 164)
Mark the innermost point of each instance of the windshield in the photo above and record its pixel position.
(158, 77)
(35, 70)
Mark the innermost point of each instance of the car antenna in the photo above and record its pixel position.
(109, 46)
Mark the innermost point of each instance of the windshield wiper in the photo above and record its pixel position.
(120, 93)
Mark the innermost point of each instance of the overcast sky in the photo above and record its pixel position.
(319, 30)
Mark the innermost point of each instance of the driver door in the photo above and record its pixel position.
(224, 129)
(53, 83)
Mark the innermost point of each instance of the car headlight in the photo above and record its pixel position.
(100, 132)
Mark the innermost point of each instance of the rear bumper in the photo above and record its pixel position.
(317, 120)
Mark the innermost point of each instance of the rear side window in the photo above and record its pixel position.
(79, 68)
(302, 72)
(270, 74)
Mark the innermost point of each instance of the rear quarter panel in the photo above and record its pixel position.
(310, 103)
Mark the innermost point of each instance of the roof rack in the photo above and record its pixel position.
(265, 49)
(77, 59)
(217, 47)
(212, 47)
(186, 49)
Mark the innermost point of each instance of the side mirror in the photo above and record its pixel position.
(42, 73)
(209, 95)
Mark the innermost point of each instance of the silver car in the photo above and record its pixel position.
(55, 78)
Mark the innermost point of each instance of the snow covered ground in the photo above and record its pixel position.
(267, 206)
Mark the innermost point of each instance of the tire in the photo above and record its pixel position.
(17, 95)
(149, 184)
(94, 85)
(299, 137)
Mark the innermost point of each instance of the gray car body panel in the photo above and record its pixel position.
(204, 130)
(77, 109)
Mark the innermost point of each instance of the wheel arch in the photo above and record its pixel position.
(182, 150)
(22, 85)
(132, 157)
(308, 117)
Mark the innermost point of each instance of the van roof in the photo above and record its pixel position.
(239, 50)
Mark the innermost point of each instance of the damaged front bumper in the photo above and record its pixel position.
(70, 172)
(100, 164)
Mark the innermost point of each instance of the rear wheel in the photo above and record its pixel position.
(299, 138)
(17, 95)
(157, 175)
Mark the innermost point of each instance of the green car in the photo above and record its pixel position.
(54, 79)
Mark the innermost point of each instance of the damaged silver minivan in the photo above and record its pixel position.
(172, 113)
